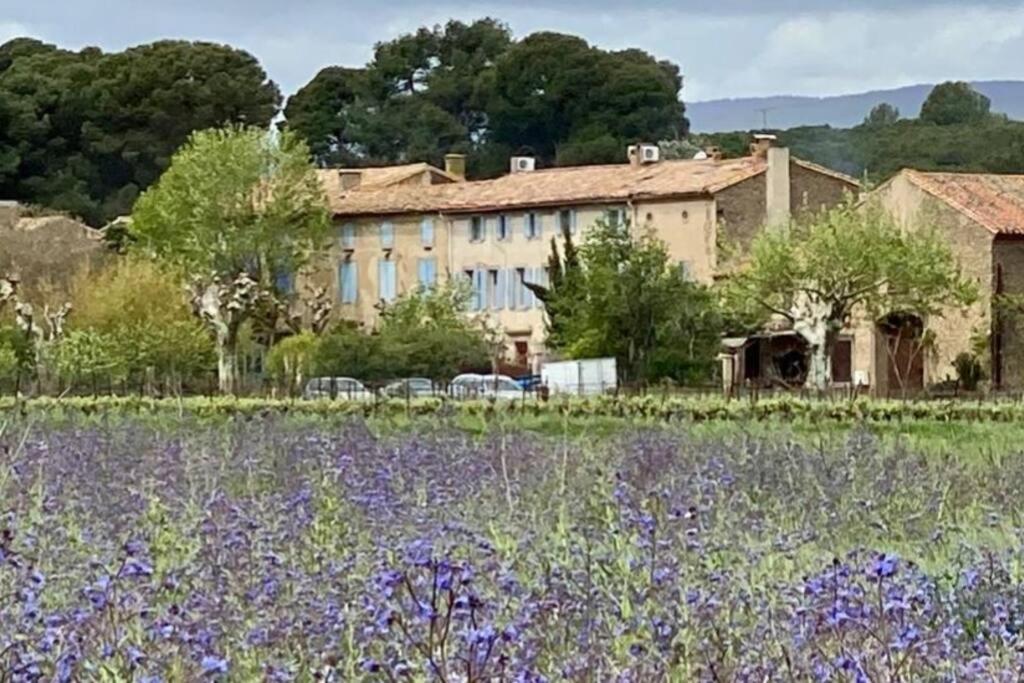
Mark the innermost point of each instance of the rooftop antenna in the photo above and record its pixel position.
(764, 116)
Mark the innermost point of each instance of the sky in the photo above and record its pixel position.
(726, 48)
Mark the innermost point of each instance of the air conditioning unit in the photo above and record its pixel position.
(523, 164)
(649, 154)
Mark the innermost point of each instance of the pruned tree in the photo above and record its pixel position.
(563, 290)
(844, 261)
(237, 207)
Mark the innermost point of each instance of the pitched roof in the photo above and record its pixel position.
(994, 201)
(572, 185)
(379, 177)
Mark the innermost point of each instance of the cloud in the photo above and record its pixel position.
(725, 48)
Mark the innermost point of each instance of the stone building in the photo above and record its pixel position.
(46, 252)
(398, 230)
(981, 217)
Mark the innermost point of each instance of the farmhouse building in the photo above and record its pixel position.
(410, 226)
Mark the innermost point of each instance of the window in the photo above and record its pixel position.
(348, 236)
(567, 221)
(476, 229)
(531, 226)
(427, 270)
(427, 232)
(387, 285)
(616, 217)
(520, 295)
(387, 235)
(504, 230)
(478, 288)
(348, 282)
(532, 276)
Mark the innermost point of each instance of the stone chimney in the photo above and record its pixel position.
(777, 187)
(350, 178)
(455, 164)
(761, 144)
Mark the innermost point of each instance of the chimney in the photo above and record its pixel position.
(350, 178)
(777, 187)
(523, 164)
(761, 144)
(455, 164)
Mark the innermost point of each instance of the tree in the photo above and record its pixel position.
(469, 88)
(883, 114)
(564, 291)
(236, 208)
(628, 300)
(86, 132)
(954, 103)
(141, 314)
(844, 261)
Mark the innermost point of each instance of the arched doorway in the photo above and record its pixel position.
(903, 349)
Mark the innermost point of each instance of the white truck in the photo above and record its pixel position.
(586, 377)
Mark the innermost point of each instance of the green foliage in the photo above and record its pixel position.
(854, 256)
(883, 114)
(424, 333)
(86, 132)
(969, 371)
(17, 357)
(235, 200)
(955, 103)
(87, 357)
(140, 314)
(290, 361)
(955, 133)
(469, 88)
(625, 298)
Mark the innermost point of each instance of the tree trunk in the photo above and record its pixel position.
(813, 320)
(227, 365)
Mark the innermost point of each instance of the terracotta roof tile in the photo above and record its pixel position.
(560, 186)
(996, 202)
(379, 177)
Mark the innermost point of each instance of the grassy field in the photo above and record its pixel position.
(477, 545)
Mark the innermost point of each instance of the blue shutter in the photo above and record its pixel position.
(427, 232)
(348, 236)
(479, 289)
(498, 300)
(386, 285)
(510, 289)
(348, 282)
(427, 272)
(538, 232)
(387, 235)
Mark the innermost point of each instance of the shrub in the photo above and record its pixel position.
(969, 371)
(290, 362)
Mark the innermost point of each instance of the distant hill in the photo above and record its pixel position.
(841, 111)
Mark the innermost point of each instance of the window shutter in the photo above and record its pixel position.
(348, 236)
(387, 287)
(427, 232)
(498, 301)
(511, 287)
(348, 282)
(387, 235)
(478, 289)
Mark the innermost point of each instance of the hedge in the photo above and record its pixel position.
(648, 407)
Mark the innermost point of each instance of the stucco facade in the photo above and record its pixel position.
(496, 234)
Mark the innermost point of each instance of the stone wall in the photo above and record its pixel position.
(812, 191)
(48, 253)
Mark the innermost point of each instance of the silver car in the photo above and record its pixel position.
(485, 386)
(411, 387)
(340, 388)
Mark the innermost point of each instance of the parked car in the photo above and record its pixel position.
(500, 386)
(465, 386)
(411, 387)
(341, 388)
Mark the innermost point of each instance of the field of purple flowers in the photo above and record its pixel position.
(278, 549)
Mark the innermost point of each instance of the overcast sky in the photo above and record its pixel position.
(726, 48)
